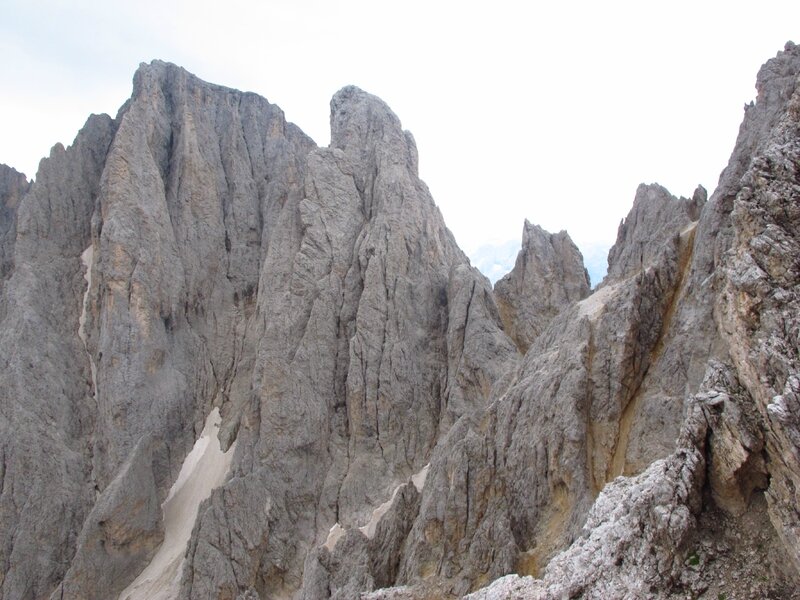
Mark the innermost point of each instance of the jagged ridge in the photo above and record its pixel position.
(199, 253)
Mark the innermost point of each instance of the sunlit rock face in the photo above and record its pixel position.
(237, 365)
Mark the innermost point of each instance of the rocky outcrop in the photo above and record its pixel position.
(208, 255)
(13, 186)
(547, 277)
(374, 336)
(215, 331)
(186, 209)
(515, 482)
(659, 534)
(757, 309)
(364, 559)
(652, 228)
(634, 538)
(47, 410)
(610, 378)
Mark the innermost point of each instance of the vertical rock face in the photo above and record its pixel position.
(757, 310)
(381, 417)
(13, 186)
(204, 253)
(547, 277)
(45, 383)
(514, 484)
(651, 227)
(374, 336)
(733, 305)
(193, 185)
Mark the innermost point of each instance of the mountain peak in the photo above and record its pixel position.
(195, 295)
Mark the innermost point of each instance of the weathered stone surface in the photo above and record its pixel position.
(649, 535)
(121, 531)
(673, 328)
(757, 310)
(373, 336)
(653, 225)
(737, 467)
(13, 186)
(633, 542)
(190, 188)
(511, 486)
(177, 198)
(230, 535)
(548, 276)
(647, 335)
(314, 295)
(45, 386)
(394, 430)
(363, 559)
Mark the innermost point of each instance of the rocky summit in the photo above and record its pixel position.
(236, 365)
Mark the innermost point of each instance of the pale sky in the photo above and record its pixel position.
(550, 111)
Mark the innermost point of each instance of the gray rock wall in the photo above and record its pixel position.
(398, 428)
(374, 336)
(547, 277)
(45, 383)
(196, 252)
(13, 186)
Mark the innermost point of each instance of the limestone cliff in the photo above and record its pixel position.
(199, 252)
(547, 277)
(13, 186)
(717, 515)
(237, 365)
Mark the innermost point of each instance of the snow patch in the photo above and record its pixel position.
(593, 305)
(418, 479)
(369, 529)
(204, 469)
(336, 532)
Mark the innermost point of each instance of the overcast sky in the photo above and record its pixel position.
(551, 111)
